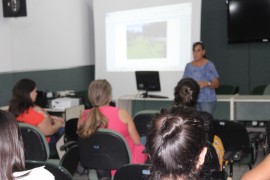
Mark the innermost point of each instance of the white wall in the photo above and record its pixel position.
(55, 34)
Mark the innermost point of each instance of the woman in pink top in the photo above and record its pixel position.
(104, 116)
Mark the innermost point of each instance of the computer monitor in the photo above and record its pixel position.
(147, 81)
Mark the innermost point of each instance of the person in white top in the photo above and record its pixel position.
(35, 173)
(12, 160)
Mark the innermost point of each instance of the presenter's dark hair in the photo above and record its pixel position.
(11, 148)
(186, 92)
(174, 143)
(21, 100)
(99, 94)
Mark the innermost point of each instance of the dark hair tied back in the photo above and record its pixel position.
(186, 92)
(174, 142)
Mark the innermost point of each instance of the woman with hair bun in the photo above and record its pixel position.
(186, 92)
(176, 144)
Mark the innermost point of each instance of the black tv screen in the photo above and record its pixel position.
(248, 21)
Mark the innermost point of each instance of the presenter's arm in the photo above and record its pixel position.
(127, 119)
(211, 84)
(261, 171)
(214, 83)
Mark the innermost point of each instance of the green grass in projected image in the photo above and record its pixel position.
(146, 40)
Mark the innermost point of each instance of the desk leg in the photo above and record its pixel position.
(232, 109)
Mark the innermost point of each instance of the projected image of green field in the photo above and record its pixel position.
(147, 40)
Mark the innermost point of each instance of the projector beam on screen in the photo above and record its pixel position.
(154, 35)
(157, 38)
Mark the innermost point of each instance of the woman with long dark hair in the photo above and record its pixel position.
(176, 144)
(22, 106)
(12, 154)
(186, 93)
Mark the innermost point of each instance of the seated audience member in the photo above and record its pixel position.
(176, 144)
(102, 115)
(259, 172)
(22, 105)
(11, 152)
(186, 93)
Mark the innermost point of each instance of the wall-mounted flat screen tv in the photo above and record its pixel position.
(248, 21)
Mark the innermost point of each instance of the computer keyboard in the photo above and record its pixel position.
(157, 96)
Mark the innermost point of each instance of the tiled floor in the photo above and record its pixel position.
(238, 170)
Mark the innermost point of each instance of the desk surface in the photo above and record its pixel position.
(225, 98)
(54, 110)
(134, 97)
(251, 98)
(235, 106)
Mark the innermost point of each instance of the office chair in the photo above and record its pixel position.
(142, 172)
(208, 120)
(69, 138)
(36, 148)
(71, 159)
(71, 130)
(227, 89)
(258, 90)
(266, 90)
(35, 145)
(258, 132)
(142, 119)
(133, 172)
(104, 150)
(59, 172)
(236, 143)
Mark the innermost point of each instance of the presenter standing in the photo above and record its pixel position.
(204, 72)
